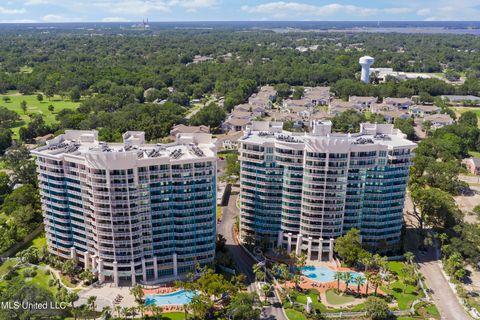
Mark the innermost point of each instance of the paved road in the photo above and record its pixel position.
(429, 265)
(243, 262)
(442, 294)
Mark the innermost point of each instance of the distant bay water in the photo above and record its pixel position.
(427, 27)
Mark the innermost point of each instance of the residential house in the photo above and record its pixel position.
(399, 103)
(423, 110)
(473, 165)
(439, 120)
(338, 106)
(317, 95)
(462, 100)
(236, 124)
(362, 103)
(389, 112)
(181, 128)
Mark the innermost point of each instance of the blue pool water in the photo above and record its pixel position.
(179, 297)
(322, 273)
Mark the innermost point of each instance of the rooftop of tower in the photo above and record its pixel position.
(80, 143)
(380, 134)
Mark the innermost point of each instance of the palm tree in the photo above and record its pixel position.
(359, 280)
(376, 281)
(106, 313)
(347, 278)
(76, 311)
(296, 279)
(301, 260)
(141, 309)
(138, 293)
(118, 310)
(409, 257)
(368, 277)
(266, 288)
(338, 276)
(258, 271)
(91, 304)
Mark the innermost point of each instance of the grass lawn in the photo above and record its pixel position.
(174, 316)
(404, 293)
(294, 314)
(219, 213)
(313, 294)
(460, 110)
(40, 280)
(38, 242)
(34, 106)
(474, 154)
(4, 267)
(334, 298)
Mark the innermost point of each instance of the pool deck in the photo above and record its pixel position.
(164, 290)
(160, 290)
(322, 287)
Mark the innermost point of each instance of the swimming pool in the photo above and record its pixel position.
(179, 297)
(322, 273)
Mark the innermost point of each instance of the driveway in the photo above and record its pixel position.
(244, 262)
(429, 266)
(442, 293)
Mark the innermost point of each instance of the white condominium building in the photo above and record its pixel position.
(303, 190)
(130, 211)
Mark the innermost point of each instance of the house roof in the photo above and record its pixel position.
(439, 118)
(238, 121)
(398, 100)
(475, 161)
(317, 93)
(181, 128)
(426, 108)
(362, 99)
(455, 98)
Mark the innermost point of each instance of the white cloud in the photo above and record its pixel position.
(295, 9)
(114, 19)
(144, 7)
(19, 21)
(137, 7)
(36, 2)
(55, 18)
(193, 4)
(4, 10)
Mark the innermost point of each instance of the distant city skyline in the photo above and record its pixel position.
(31, 11)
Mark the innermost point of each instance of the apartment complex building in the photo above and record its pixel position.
(303, 190)
(130, 211)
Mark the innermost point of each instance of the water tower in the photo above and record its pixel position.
(366, 62)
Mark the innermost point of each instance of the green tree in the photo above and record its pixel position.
(347, 278)
(406, 126)
(349, 248)
(40, 97)
(23, 106)
(51, 108)
(434, 207)
(348, 121)
(283, 90)
(75, 94)
(469, 118)
(338, 276)
(359, 280)
(266, 289)
(137, 292)
(377, 309)
(242, 307)
(211, 115)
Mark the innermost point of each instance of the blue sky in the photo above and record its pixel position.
(228, 10)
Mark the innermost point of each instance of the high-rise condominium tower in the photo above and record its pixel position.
(302, 190)
(129, 211)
